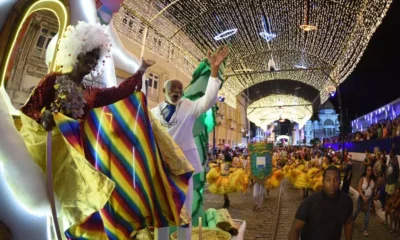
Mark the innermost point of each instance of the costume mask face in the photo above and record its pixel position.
(173, 92)
(87, 62)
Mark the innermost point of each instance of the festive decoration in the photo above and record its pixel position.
(181, 32)
(265, 34)
(69, 98)
(279, 106)
(76, 41)
(225, 34)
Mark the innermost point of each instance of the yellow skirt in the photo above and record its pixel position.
(275, 180)
(219, 184)
(299, 176)
(287, 171)
(316, 182)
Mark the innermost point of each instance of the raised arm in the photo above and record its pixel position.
(106, 96)
(204, 103)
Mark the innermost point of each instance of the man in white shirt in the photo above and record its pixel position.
(179, 115)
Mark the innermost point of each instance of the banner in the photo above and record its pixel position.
(261, 161)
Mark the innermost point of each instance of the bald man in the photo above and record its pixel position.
(179, 115)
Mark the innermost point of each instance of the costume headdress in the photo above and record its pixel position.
(83, 38)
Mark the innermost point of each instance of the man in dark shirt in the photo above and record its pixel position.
(323, 214)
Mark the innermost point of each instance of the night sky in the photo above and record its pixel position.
(375, 80)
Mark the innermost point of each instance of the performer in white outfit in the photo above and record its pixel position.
(258, 196)
(179, 115)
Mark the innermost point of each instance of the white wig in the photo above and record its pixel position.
(83, 38)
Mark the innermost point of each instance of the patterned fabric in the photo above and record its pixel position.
(122, 146)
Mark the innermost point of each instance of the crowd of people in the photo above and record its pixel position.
(229, 171)
(305, 168)
(389, 128)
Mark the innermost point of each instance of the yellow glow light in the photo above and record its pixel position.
(308, 28)
(59, 10)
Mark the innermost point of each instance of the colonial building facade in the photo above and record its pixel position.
(326, 127)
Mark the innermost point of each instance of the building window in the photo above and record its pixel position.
(153, 83)
(329, 122)
(43, 41)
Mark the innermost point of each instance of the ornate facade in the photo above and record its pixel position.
(28, 62)
(326, 127)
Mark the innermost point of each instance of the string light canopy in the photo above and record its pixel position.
(329, 42)
(280, 106)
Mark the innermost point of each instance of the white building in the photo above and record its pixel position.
(326, 127)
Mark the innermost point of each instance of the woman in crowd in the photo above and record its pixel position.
(366, 190)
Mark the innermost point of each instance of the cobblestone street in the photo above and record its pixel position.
(261, 224)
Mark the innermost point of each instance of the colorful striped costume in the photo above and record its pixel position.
(119, 142)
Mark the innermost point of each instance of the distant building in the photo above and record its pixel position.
(326, 127)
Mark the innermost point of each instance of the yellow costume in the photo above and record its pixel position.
(287, 170)
(299, 175)
(316, 176)
(276, 176)
(246, 176)
(82, 189)
(223, 179)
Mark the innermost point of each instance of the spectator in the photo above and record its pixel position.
(398, 128)
(366, 188)
(381, 192)
(332, 205)
(392, 175)
(384, 131)
(348, 174)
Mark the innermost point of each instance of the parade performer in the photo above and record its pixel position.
(316, 173)
(246, 167)
(178, 116)
(276, 177)
(225, 177)
(289, 166)
(261, 170)
(103, 193)
(299, 176)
